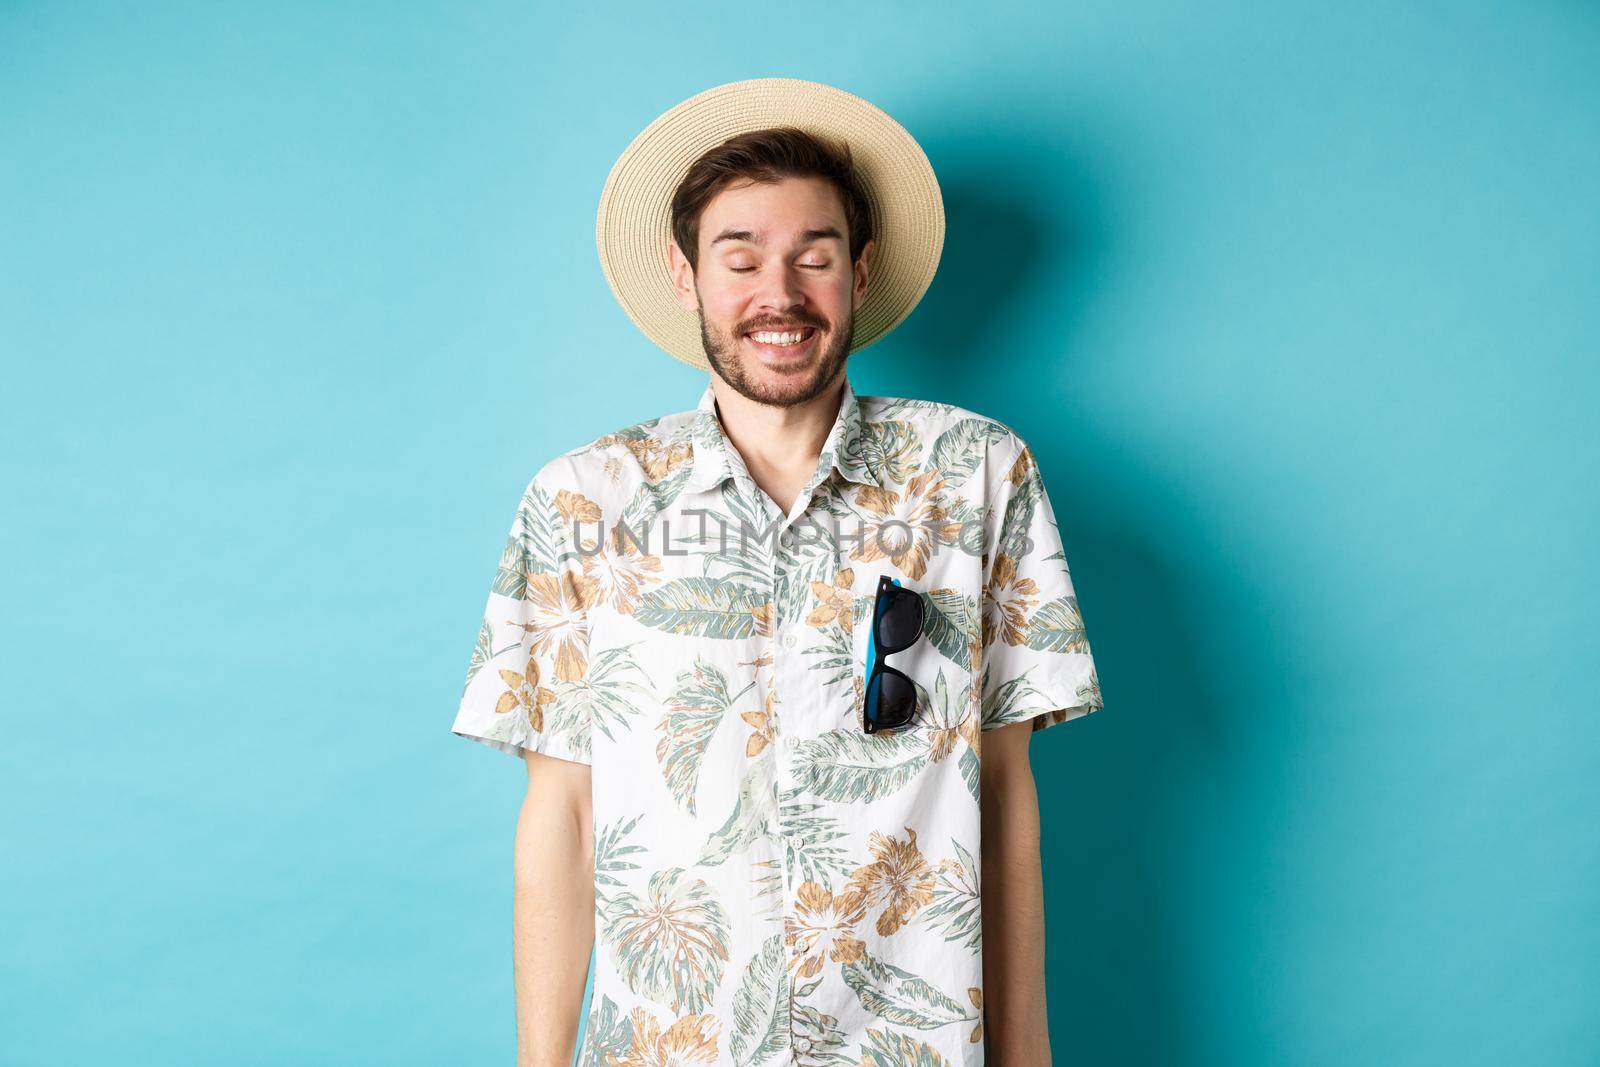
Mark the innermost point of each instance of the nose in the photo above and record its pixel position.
(781, 291)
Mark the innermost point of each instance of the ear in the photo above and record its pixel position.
(682, 277)
(863, 268)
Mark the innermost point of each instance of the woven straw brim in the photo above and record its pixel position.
(634, 223)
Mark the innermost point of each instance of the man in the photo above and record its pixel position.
(766, 837)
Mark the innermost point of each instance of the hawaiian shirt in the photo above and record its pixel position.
(772, 884)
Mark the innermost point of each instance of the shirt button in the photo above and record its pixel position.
(789, 639)
(792, 741)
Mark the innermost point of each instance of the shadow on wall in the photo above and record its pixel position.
(1113, 787)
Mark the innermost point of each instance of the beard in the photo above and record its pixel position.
(733, 362)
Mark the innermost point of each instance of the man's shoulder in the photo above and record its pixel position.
(949, 427)
(632, 453)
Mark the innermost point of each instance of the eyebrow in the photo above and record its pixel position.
(806, 236)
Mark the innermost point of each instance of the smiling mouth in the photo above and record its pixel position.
(788, 338)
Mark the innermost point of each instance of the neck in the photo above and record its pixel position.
(779, 444)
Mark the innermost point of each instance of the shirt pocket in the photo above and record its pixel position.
(919, 662)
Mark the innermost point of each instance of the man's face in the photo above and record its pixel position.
(774, 257)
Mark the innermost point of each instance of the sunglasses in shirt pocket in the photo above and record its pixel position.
(905, 660)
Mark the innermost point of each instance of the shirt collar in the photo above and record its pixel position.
(716, 460)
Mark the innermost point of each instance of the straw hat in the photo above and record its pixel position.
(634, 224)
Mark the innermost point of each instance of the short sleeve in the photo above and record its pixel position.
(1036, 659)
(525, 688)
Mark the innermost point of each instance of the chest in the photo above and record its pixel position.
(719, 610)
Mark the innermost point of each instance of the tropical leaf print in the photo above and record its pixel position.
(761, 1007)
(1061, 552)
(639, 432)
(1002, 705)
(546, 537)
(884, 1048)
(707, 607)
(971, 771)
(958, 451)
(950, 622)
(833, 504)
(832, 658)
(658, 455)
(1013, 537)
(569, 715)
(751, 818)
(849, 766)
(1089, 692)
(802, 567)
(613, 692)
(603, 447)
(670, 945)
(639, 515)
(970, 517)
(818, 1040)
(766, 887)
(612, 855)
(861, 608)
(833, 615)
(699, 701)
(1057, 627)
(482, 652)
(900, 997)
(893, 447)
(744, 533)
(607, 1036)
(511, 575)
(948, 717)
(894, 407)
(810, 840)
(957, 908)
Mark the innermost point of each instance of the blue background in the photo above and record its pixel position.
(1296, 303)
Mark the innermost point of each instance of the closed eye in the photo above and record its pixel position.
(813, 266)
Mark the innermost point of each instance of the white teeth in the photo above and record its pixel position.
(767, 338)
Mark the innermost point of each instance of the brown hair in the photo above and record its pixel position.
(769, 155)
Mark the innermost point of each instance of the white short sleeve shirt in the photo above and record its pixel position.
(773, 885)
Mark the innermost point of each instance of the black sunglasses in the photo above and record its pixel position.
(891, 699)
